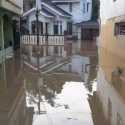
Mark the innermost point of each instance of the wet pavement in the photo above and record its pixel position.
(67, 95)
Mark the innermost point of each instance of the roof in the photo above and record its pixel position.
(89, 24)
(65, 1)
(50, 10)
(43, 12)
(51, 5)
(47, 12)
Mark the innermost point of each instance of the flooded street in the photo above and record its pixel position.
(62, 62)
(72, 93)
(59, 97)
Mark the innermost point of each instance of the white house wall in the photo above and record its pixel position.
(110, 9)
(77, 11)
(32, 18)
(78, 15)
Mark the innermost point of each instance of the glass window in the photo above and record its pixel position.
(84, 8)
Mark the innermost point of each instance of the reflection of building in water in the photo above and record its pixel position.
(78, 64)
(12, 96)
(112, 61)
(113, 104)
(97, 110)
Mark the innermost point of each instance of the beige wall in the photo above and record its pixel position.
(111, 49)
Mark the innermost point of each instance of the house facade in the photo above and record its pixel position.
(112, 60)
(57, 17)
(10, 11)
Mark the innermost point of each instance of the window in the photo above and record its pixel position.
(33, 27)
(61, 29)
(55, 29)
(70, 7)
(69, 28)
(88, 6)
(84, 8)
(119, 28)
(46, 28)
(41, 28)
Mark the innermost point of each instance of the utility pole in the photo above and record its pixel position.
(37, 20)
(37, 30)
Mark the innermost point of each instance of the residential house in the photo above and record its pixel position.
(57, 17)
(10, 11)
(112, 60)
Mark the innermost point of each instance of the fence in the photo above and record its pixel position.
(49, 40)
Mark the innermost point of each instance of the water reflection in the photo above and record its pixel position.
(50, 95)
(12, 95)
(68, 95)
(111, 86)
(113, 104)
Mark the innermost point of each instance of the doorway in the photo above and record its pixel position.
(16, 35)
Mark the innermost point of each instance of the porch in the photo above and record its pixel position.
(49, 45)
(9, 34)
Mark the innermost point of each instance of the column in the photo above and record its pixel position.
(2, 33)
(2, 39)
(44, 51)
(60, 50)
(59, 27)
(30, 27)
(64, 53)
(44, 27)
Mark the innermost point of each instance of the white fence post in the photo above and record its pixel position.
(32, 40)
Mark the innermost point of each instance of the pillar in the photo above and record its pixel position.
(2, 33)
(44, 51)
(64, 53)
(44, 28)
(2, 40)
(30, 27)
(59, 51)
(59, 28)
(30, 50)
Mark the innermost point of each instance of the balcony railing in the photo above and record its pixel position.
(50, 40)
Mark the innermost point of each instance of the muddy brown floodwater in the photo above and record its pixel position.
(65, 95)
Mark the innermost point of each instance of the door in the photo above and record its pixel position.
(56, 29)
(16, 35)
(69, 28)
(86, 34)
